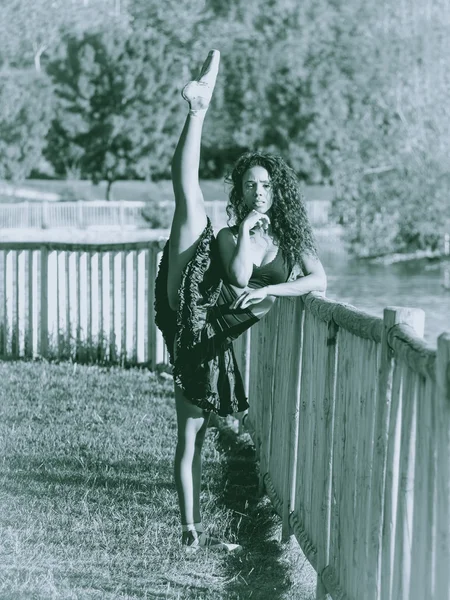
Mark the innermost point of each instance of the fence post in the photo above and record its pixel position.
(266, 354)
(44, 222)
(296, 373)
(442, 571)
(3, 306)
(80, 215)
(246, 356)
(122, 214)
(15, 348)
(43, 308)
(392, 316)
(26, 210)
(28, 336)
(445, 266)
(153, 350)
(323, 544)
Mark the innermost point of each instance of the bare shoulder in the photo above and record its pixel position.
(226, 237)
(226, 243)
(311, 263)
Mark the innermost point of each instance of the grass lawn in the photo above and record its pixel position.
(87, 502)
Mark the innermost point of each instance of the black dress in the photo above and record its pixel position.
(203, 328)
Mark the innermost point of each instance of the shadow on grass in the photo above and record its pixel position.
(120, 480)
(259, 572)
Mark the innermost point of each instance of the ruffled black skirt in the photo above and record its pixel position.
(202, 330)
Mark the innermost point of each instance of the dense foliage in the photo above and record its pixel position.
(351, 94)
(115, 110)
(26, 105)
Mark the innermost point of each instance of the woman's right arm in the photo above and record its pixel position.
(236, 254)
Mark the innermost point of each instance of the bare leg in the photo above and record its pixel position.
(189, 218)
(192, 424)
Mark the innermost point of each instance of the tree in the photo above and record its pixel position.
(116, 99)
(352, 94)
(25, 118)
(392, 176)
(187, 29)
(30, 30)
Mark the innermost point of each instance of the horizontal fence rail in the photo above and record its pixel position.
(349, 413)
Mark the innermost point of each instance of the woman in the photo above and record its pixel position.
(210, 290)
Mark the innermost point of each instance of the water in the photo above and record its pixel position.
(371, 287)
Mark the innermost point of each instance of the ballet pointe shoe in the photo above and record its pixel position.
(198, 93)
(194, 542)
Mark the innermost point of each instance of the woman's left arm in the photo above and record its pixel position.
(314, 280)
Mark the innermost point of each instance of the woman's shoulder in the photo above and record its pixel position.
(233, 229)
(227, 231)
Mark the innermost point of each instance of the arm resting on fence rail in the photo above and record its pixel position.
(314, 280)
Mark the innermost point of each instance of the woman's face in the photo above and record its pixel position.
(257, 189)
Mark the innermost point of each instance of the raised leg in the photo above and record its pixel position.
(189, 218)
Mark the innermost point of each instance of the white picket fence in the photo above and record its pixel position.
(122, 214)
(79, 301)
(81, 214)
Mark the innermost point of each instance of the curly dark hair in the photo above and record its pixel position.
(288, 217)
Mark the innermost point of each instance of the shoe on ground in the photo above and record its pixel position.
(195, 542)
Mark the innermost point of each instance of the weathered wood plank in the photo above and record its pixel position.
(43, 306)
(364, 466)
(392, 316)
(29, 299)
(424, 482)
(404, 519)
(392, 482)
(21, 302)
(293, 416)
(3, 304)
(442, 571)
(326, 440)
(140, 330)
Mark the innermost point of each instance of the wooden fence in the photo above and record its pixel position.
(85, 302)
(123, 214)
(81, 214)
(350, 414)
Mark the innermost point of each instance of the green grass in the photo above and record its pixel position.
(87, 501)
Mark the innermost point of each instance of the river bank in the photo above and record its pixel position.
(419, 255)
(372, 286)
